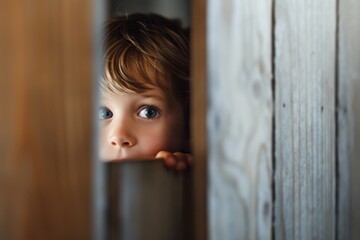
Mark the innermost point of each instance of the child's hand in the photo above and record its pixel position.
(178, 161)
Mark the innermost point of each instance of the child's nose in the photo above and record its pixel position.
(122, 136)
(118, 141)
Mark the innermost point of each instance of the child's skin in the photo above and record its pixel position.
(143, 125)
(146, 124)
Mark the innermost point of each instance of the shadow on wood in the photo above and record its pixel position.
(145, 201)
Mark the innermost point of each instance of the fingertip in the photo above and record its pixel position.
(170, 161)
(161, 154)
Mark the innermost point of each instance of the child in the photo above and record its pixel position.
(145, 91)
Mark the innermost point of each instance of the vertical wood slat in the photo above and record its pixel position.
(239, 119)
(349, 119)
(198, 224)
(305, 37)
(46, 119)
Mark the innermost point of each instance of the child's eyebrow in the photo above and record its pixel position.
(156, 96)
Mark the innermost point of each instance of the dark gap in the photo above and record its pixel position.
(188, 221)
(273, 65)
(337, 122)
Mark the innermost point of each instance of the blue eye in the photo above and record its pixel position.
(105, 113)
(149, 112)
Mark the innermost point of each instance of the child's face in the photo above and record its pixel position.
(139, 125)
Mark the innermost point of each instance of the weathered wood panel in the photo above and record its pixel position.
(46, 119)
(239, 119)
(305, 42)
(349, 119)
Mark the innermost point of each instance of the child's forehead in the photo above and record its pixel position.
(153, 92)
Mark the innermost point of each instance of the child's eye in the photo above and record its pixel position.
(149, 112)
(105, 113)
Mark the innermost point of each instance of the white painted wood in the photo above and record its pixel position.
(305, 43)
(349, 119)
(239, 119)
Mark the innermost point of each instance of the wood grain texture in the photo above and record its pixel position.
(239, 119)
(305, 34)
(46, 119)
(349, 119)
(197, 227)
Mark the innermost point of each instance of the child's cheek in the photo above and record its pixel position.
(154, 145)
(156, 142)
(165, 136)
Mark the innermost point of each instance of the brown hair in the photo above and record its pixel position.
(144, 51)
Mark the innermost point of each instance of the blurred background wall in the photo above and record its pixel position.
(168, 8)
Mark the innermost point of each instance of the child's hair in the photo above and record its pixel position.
(143, 51)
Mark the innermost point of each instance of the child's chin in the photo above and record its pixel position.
(125, 159)
(113, 159)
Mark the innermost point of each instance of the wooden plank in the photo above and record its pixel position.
(198, 219)
(305, 119)
(145, 201)
(46, 119)
(239, 119)
(349, 119)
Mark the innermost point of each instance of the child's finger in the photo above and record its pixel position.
(169, 159)
(181, 161)
(185, 157)
(181, 166)
(180, 156)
